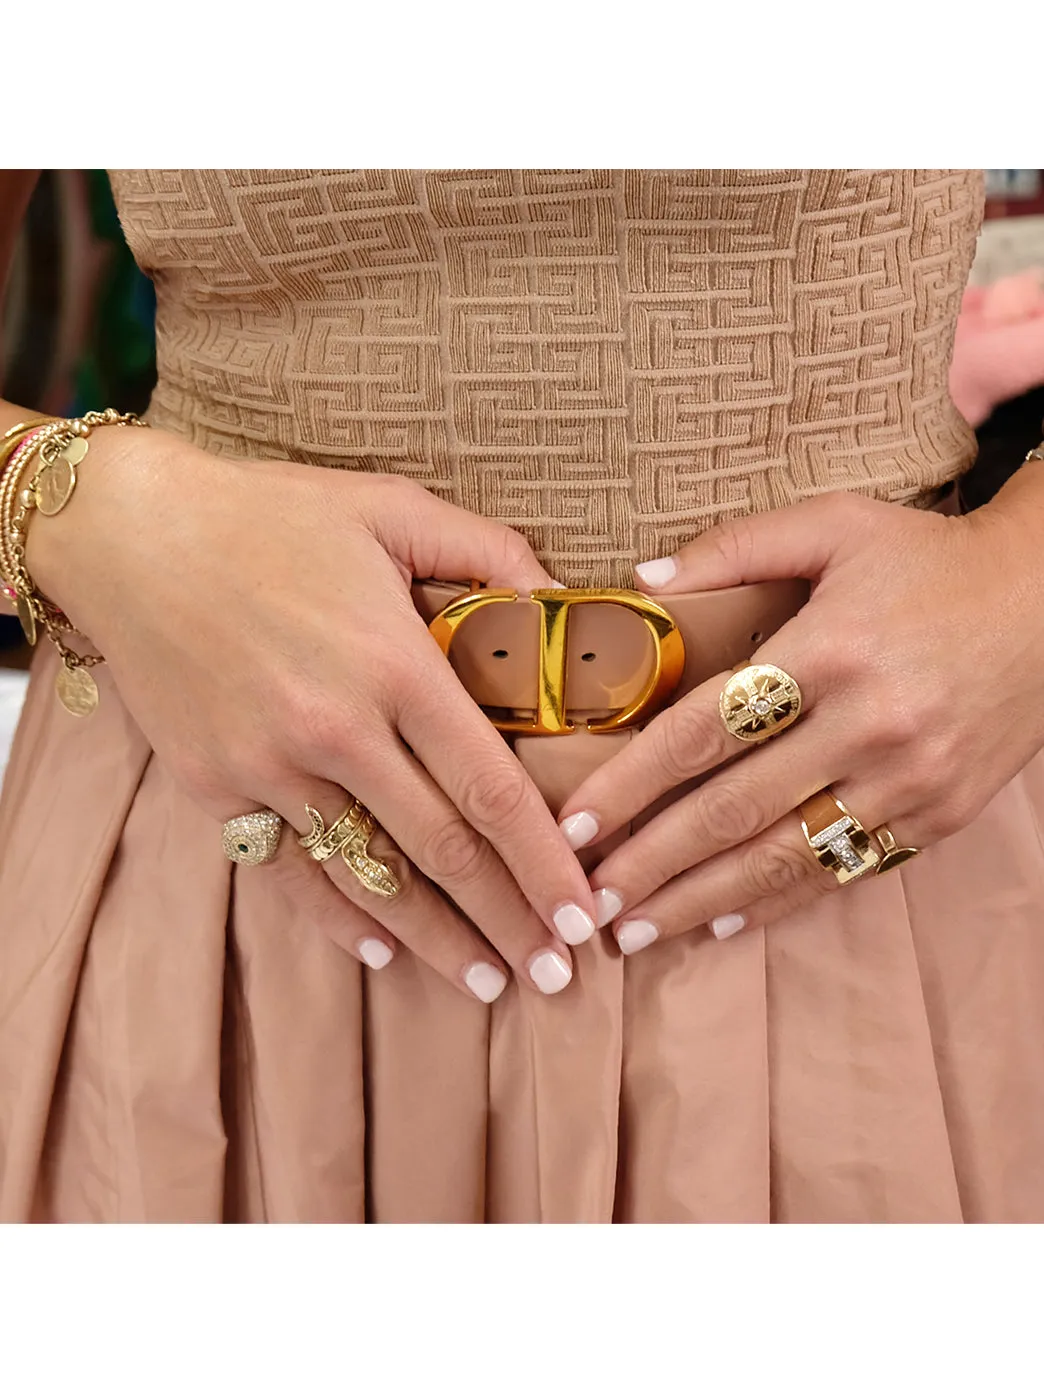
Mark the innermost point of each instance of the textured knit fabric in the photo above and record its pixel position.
(609, 360)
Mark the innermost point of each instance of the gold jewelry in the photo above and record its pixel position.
(759, 701)
(60, 446)
(350, 834)
(838, 840)
(252, 839)
(894, 855)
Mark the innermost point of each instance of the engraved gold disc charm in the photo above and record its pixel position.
(77, 690)
(758, 702)
(57, 479)
(27, 619)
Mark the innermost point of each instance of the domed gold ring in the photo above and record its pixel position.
(759, 701)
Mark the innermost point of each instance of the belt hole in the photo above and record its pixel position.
(756, 637)
(587, 657)
(500, 652)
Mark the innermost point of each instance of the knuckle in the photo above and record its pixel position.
(776, 867)
(725, 814)
(450, 853)
(686, 739)
(495, 795)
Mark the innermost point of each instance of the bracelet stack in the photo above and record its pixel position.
(39, 460)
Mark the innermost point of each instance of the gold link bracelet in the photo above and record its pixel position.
(58, 447)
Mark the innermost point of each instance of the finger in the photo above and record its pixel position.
(312, 893)
(749, 886)
(786, 543)
(680, 744)
(436, 540)
(425, 922)
(734, 806)
(483, 779)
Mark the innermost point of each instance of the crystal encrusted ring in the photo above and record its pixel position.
(252, 839)
(758, 702)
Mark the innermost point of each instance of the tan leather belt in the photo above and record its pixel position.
(610, 652)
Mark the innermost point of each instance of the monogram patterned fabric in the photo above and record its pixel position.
(609, 360)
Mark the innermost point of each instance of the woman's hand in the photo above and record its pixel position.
(920, 657)
(258, 623)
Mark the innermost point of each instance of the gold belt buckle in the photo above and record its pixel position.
(555, 606)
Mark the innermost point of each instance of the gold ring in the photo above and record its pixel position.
(838, 840)
(759, 701)
(252, 839)
(350, 834)
(894, 855)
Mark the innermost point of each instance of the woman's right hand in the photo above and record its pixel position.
(258, 623)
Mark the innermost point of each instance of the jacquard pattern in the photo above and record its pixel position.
(609, 360)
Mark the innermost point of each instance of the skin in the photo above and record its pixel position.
(920, 656)
(257, 621)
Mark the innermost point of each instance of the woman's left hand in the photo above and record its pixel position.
(920, 657)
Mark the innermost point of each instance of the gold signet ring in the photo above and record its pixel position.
(758, 702)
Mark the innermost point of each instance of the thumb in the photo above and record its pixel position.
(434, 540)
(796, 542)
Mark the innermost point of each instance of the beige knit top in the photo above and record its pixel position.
(609, 360)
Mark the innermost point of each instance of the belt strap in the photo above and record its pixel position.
(495, 652)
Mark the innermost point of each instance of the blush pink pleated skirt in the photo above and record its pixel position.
(179, 1043)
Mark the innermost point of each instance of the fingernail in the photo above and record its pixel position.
(727, 924)
(635, 935)
(550, 973)
(375, 953)
(485, 981)
(607, 905)
(579, 829)
(557, 585)
(574, 926)
(659, 572)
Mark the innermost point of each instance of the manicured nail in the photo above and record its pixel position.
(727, 924)
(574, 926)
(485, 981)
(550, 972)
(579, 829)
(557, 585)
(635, 935)
(657, 573)
(375, 953)
(607, 905)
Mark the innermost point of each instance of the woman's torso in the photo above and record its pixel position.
(609, 360)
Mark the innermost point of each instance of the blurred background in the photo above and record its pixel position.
(77, 332)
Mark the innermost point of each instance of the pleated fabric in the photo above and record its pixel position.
(178, 1043)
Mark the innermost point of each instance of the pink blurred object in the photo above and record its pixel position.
(998, 351)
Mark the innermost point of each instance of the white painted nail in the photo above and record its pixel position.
(574, 926)
(659, 572)
(579, 829)
(375, 953)
(485, 981)
(635, 935)
(550, 972)
(607, 905)
(727, 924)
(557, 585)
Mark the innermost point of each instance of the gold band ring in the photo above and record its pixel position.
(252, 839)
(838, 840)
(759, 701)
(894, 855)
(350, 835)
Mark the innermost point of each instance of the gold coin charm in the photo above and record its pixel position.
(27, 618)
(54, 486)
(77, 690)
(758, 702)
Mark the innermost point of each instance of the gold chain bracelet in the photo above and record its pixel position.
(58, 448)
